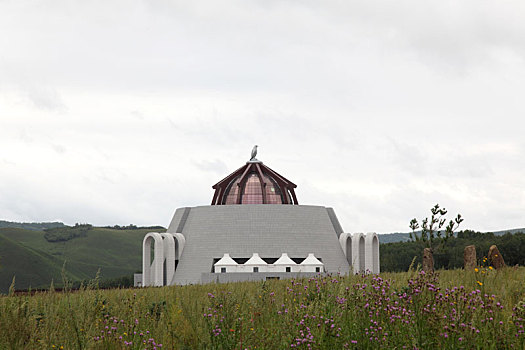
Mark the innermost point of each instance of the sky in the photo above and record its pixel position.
(119, 112)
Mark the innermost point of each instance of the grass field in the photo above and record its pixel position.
(449, 310)
(35, 262)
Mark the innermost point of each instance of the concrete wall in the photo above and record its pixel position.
(241, 230)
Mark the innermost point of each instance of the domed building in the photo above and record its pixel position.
(254, 183)
(254, 229)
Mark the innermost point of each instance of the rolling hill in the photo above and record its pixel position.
(36, 261)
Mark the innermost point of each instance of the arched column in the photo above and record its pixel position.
(358, 252)
(168, 242)
(345, 240)
(372, 253)
(180, 241)
(152, 272)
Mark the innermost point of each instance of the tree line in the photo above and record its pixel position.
(398, 256)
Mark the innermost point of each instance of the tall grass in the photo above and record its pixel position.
(450, 310)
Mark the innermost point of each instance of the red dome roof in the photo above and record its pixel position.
(254, 183)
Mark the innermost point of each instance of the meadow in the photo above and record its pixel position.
(453, 309)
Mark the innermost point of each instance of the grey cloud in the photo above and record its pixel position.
(410, 158)
(45, 98)
(212, 165)
(24, 136)
(60, 149)
(137, 114)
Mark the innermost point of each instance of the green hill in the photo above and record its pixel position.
(36, 226)
(36, 261)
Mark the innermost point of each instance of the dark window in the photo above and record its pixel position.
(255, 269)
(223, 269)
(273, 193)
(317, 269)
(288, 269)
(232, 191)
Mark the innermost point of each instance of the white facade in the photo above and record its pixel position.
(362, 251)
(372, 252)
(284, 264)
(204, 244)
(167, 250)
(226, 265)
(254, 264)
(152, 272)
(311, 264)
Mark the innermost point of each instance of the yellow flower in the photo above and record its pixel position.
(476, 269)
(490, 267)
(480, 283)
(61, 347)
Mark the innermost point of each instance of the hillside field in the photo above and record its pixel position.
(454, 309)
(35, 262)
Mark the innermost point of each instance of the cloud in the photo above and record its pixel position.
(45, 98)
(215, 165)
(128, 110)
(59, 149)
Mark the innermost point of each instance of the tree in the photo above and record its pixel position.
(432, 235)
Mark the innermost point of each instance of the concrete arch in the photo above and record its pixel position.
(362, 254)
(168, 242)
(152, 272)
(358, 252)
(180, 241)
(372, 252)
(345, 240)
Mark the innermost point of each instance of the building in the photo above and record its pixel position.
(254, 229)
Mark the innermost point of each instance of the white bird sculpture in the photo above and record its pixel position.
(254, 153)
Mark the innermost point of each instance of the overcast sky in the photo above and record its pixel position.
(118, 112)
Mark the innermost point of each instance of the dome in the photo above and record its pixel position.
(254, 183)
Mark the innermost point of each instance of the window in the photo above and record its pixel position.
(317, 269)
(231, 192)
(256, 269)
(252, 191)
(288, 269)
(223, 270)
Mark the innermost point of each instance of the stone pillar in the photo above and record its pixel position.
(495, 258)
(469, 257)
(428, 260)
